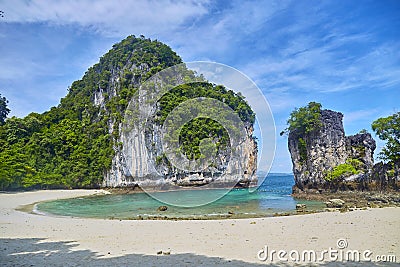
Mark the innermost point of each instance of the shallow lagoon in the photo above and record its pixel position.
(272, 197)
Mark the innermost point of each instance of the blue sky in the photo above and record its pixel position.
(344, 54)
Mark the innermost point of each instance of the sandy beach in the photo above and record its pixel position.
(36, 240)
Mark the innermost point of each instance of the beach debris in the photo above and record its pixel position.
(331, 209)
(379, 198)
(301, 207)
(231, 212)
(160, 252)
(252, 222)
(162, 208)
(334, 203)
(102, 192)
(344, 209)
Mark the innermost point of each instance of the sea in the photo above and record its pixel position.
(273, 197)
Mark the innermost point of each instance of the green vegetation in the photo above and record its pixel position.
(388, 129)
(303, 121)
(341, 171)
(4, 110)
(201, 128)
(352, 166)
(356, 163)
(71, 145)
(184, 92)
(302, 146)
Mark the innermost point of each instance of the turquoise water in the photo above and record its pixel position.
(273, 196)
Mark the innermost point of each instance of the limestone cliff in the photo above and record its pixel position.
(139, 158)
(134, 166)
(316, 154)
(84, 142)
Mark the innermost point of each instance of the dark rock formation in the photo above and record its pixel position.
(334, 203)
(384, 177)
(326, 148)
(162, 208)
(361, 147)
(301, 207)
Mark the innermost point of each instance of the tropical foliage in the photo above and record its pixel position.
(351, 167)
(200, 128)
(72, 145)
(303, 121)
(388, 129)
(4, 110)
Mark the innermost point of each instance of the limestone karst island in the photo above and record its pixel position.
(120, 151)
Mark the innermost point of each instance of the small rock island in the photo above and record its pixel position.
(326, 161)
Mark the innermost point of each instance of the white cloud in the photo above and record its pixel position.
(311, 65)
(16, 68)
(222, 33)
(111, 18)
(350, 117)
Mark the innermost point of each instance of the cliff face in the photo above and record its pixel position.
(139, 159)
(384, 176)
(326, 148)
(135, 164)
(361, 147)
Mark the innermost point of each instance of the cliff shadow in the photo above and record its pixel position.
(40, 252)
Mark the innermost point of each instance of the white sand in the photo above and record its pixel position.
(37, 240)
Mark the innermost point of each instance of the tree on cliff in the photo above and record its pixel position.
(304, 120)
(3, 109)
(388, 129)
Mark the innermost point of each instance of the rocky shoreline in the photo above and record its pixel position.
(341, 201)
(351, 200)
(137, 189)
